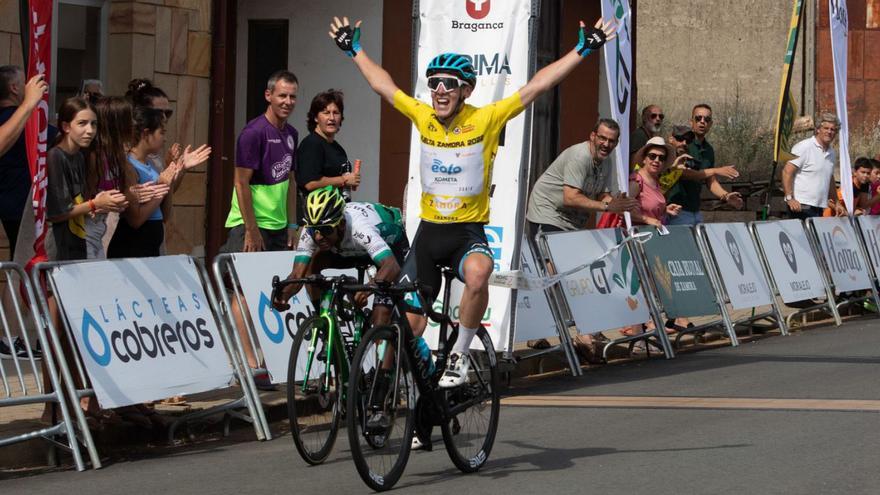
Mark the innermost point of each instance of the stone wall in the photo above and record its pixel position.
(168, 41)
(691, 51)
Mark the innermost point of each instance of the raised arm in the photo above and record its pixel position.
(545, 79)
(349, 41)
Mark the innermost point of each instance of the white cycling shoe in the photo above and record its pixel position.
(456, 370)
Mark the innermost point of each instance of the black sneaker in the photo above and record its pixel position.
(5, 351)
(21, 350)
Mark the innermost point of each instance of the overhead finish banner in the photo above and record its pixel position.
(839, 49)
(618, 70)
(495, 35)
(144, 328)
(37, 127)
(786, 111)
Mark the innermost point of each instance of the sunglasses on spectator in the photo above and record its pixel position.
(446, 82)
(703, 118)
(657, 115)
(655, 156)
(168, 113)
(687, 138)
(324, 230)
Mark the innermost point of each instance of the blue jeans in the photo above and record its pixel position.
(685, 217)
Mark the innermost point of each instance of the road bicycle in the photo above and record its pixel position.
(394, 394)
(320, 359)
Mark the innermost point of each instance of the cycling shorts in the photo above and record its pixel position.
(436, 245)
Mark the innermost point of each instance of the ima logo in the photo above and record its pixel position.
(477, 9)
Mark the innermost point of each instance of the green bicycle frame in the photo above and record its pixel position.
(327, 313)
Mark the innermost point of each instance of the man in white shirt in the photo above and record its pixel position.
(808, 179)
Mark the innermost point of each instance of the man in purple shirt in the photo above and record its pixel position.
(263, 213)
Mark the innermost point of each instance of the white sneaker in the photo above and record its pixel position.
(456, 370)
(416, 443)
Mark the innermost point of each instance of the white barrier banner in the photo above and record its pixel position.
(839, 52)
(495, 35)
(870, 225)
(739, 264)
(840, 248)
(533, 317)
(608, 294)
(275, 330)
(144, 328)
(791, 260)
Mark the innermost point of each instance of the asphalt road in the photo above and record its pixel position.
(820, 436)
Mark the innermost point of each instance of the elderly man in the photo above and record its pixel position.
(652, 119)
(808, 180)
(701, 169)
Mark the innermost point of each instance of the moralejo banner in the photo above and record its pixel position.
(619, 70)
(495, 35)
(739, 264)
(839, 47)
(790, 259)
(37, 127)
(786, 110)
(144, 328)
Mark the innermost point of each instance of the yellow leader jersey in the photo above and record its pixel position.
(456, 161)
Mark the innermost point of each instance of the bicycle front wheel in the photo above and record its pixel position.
(313, 392)
(381, 401)
(470, 432)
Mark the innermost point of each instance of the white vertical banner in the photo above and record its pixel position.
(494, 34)
(618, 72)
(839, 48)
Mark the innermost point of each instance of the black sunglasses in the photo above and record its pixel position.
(655, 156)
(684, 137)
(448, 83)
(168, 113)
(701, 118)
(655, 115)
(324, 230)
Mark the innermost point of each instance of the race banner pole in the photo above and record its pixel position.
(839, 42)
(39, 61)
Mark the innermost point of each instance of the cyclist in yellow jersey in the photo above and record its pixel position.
(458, 147)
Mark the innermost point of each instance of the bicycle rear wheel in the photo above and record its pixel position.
(380, 409)
(313, 392)
(470, 432)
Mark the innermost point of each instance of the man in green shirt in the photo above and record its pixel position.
(701, 169)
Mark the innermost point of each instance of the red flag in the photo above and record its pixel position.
(36, 129)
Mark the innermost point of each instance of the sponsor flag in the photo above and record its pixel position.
(495, 35)
(839, 43)
(787, 109)
(39, 61)
(618, 71)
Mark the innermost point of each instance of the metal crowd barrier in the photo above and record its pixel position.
(23, 379)
(223, 269)
(717, 277)
(43, 274)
